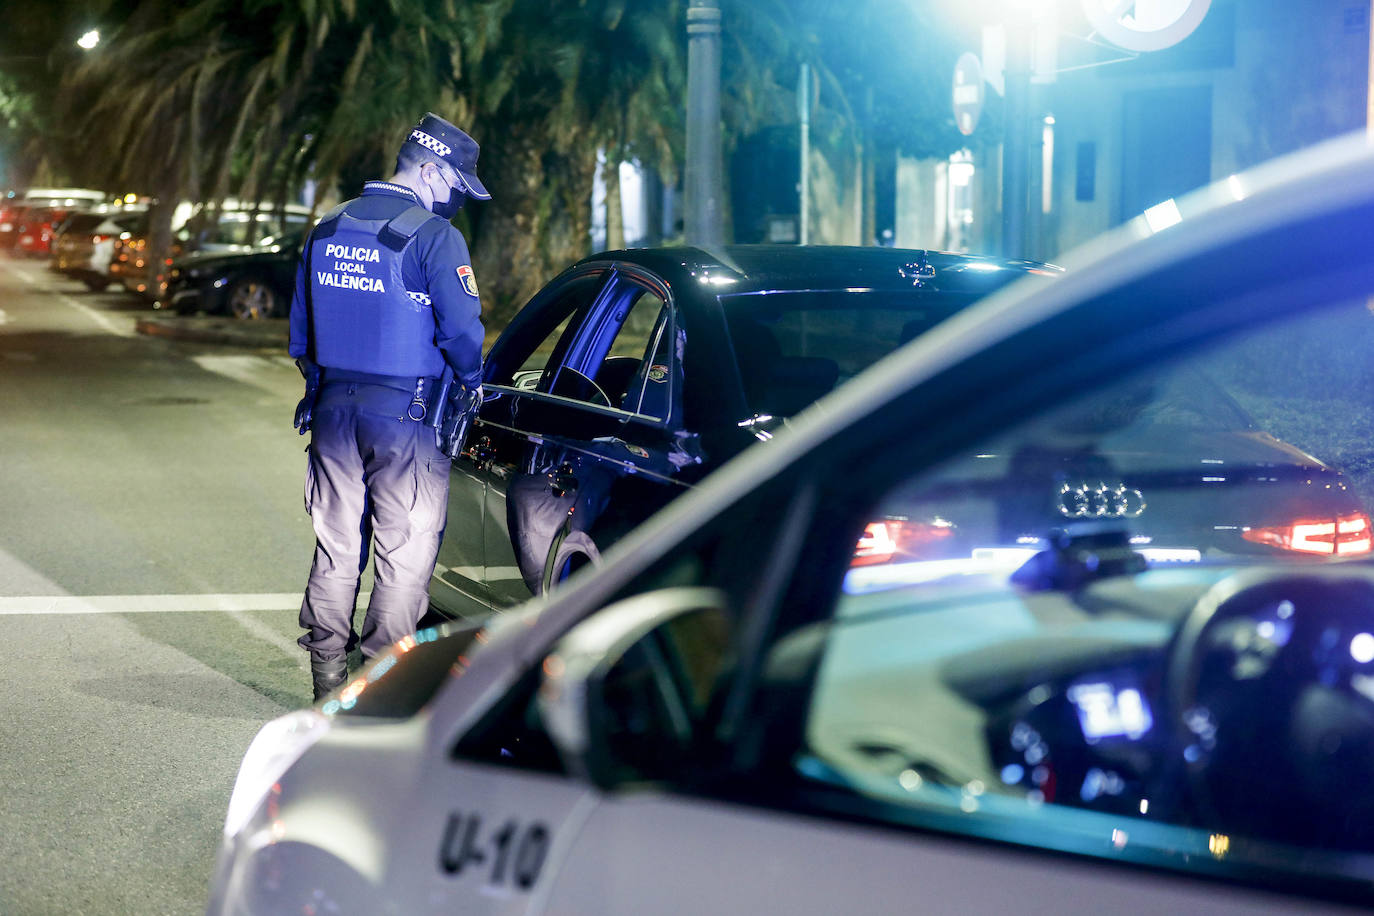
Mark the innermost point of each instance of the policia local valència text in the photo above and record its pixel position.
(351, 268)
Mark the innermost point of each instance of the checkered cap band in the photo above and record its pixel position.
(418, 297)
(431, 143)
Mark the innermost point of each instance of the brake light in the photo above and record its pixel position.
(1343, 536)
(884, 540)
(876, 544)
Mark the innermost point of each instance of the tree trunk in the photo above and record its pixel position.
(537, 222)
(615, 208)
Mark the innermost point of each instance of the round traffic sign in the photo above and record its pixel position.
(1145, 25)
(968, 92)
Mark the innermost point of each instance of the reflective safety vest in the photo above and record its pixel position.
(362, 318)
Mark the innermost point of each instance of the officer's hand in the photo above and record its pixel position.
(303, 415)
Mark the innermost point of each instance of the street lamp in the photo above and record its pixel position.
(704, 184)
(89, 40)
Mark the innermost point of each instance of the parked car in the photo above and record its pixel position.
(635, 373)
(10, 210)
(36, 227)
(232, 227)
(85, 246)
(254, 283)
(731, 715)
(38, 212)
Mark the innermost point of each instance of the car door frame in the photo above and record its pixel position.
(636, 448)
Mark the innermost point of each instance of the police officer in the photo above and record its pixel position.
(385, 305)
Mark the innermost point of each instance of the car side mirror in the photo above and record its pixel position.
(626, 693)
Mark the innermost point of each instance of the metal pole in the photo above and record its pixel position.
(804, 104)
(704, 188)
(1016, 139)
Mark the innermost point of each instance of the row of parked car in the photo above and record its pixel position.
(236, 258)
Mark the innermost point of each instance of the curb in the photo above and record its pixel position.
(267, 337)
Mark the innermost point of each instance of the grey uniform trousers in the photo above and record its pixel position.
(375, 476)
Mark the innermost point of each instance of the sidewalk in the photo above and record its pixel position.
(263, 334)
(266, 334)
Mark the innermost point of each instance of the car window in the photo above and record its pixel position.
(611, 357)
(793, 347)
(636, 372)
(1062, 637)
(522, 355)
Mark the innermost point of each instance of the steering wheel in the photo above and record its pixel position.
(1270, 699)
(576, 389)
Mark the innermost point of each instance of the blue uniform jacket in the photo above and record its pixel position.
(437, 263)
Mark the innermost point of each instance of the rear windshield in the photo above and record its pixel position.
(84, 222)
(793, 347)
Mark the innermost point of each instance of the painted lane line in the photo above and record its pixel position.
(151, 604)
(261, 631)
(98, 317)
(256, 371)
(23, 275)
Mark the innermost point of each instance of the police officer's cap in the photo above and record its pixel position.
(454, 147)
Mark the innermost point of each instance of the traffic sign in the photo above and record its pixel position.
(1145, 25)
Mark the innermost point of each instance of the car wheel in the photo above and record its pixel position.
(569, 552)
(96, 286)
(250, 298)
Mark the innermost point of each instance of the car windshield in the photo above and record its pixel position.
(1105, 624)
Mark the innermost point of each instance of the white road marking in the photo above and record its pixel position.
(150, 604)
(18, 576)
(22, 275)
(259, 630)
(258, 371)
(99, 318)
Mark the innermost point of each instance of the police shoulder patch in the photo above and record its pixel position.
(469, 281)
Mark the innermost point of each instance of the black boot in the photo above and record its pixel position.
(328, 673)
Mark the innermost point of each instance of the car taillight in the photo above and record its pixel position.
(876, 544)
(884, 540)
(97, 239)
(1348, 534)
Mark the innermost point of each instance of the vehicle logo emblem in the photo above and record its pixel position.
(658, 373)
(1085, 499)
(918, 270)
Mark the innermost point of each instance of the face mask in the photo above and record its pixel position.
(449, 209)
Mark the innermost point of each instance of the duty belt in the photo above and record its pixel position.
(422, 388)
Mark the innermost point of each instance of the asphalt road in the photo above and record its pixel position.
(153, 544)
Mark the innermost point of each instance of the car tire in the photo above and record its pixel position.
(96, 286)
(251, 298)
(569, 552)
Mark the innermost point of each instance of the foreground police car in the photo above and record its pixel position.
(741, 711)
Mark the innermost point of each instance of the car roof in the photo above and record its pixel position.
(749, 269)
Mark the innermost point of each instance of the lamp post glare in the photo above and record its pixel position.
(89, 40)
